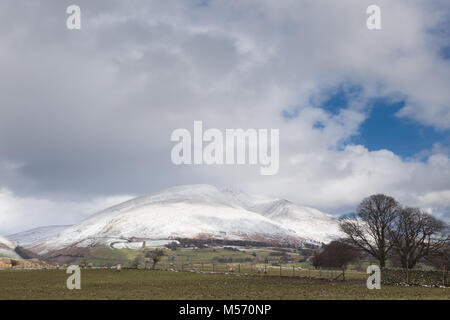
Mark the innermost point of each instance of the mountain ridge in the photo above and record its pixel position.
(198, 211)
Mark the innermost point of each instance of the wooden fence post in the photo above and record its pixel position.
(443, 275)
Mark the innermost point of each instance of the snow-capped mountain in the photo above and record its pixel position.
(7, 248)
(27, 238)
(197, 211)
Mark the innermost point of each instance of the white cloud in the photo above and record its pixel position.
(90, 113)
(338, 180)
(23, 213)
(435, 198)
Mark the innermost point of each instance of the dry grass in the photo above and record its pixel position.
(146, 284)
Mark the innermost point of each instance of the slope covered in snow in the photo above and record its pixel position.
(6, 243)
(7, 248)
(308, 222)
(197, 211)
(28, 237)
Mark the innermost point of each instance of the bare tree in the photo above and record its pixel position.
(338, 254)
(315, 260)
(441, 260)
(416, 234)
(172, 245)
(155, 256)
(14, 263)
(139, 261)
(368, 229)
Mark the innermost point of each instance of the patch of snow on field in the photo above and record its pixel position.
(139, 244)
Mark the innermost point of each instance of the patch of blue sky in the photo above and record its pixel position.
(382, 129)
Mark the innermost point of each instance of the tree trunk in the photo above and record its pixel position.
(382, 262)
(407, 274)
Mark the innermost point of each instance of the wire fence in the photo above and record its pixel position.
(262, 269)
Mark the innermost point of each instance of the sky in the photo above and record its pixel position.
(86, 115)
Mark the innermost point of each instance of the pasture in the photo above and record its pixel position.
(156, 285)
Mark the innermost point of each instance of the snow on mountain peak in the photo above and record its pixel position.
(197, 193)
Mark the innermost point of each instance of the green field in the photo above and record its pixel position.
(148, 284)
(102, 255)
(250, 260)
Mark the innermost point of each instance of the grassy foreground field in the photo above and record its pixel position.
(147, 284)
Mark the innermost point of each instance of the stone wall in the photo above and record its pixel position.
(416, 277)
(5, 263)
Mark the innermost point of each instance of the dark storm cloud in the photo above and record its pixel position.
(89, 113)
